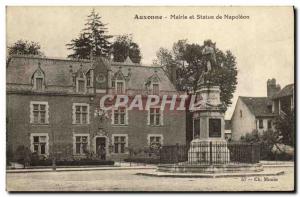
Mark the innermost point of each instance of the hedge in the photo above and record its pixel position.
(143, 160)
(48, 162)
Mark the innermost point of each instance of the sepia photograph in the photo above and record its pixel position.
(150, 99)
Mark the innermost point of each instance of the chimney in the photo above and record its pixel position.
(272, 87)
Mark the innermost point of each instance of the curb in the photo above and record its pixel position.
(278, 166)
(210, 175)
(77, 169)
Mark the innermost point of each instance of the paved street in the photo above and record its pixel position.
(126, 180)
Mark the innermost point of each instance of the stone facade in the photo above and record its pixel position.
(53, 108)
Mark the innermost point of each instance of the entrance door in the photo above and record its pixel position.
(101, 147)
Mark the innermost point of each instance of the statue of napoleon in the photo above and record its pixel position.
(209, 55)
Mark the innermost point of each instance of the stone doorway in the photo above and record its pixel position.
(101, 147)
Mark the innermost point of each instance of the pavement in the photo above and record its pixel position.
(264, 173)
(277, 163)
(127, 180)
(126, 166)
(117, 166)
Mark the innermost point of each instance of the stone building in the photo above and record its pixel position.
(251, 113)
(258, 113)
(53, 108)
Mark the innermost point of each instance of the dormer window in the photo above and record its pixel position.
(118, 82)
(120, 87)
(155, 88)
(38, 79)
(152, 84)
(88, 80)
(80, 85)
(39, 84)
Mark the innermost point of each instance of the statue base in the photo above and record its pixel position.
(208, 151)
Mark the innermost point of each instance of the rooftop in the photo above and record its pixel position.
(58, 71)
(259, 106)
(286, 91)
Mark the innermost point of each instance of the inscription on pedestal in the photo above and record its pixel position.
(214, 127)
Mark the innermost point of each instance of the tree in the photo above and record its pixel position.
(124, 47)
(24, 47)
(92, 41)
(285, 126)
(164, 59)
(191, 64)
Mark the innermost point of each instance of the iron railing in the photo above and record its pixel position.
(211, 153)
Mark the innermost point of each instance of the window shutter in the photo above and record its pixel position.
(73, 114)
(31, 112)
(148, 117)
(47, 115)
(161, 117)
(112, 115)
(88, 114)
(126, 116)
(74, 144)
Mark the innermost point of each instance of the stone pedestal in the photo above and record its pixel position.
(208, 152)
(208, 145)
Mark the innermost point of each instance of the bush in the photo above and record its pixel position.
(143, 160)
(48, 162)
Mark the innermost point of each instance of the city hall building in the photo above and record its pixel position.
(53, 108)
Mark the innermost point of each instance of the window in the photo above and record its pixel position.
(120, 143)
(155, 89)
(74, 79)
(120, 116)
(241, 113)
(38, 79)
(81, 86)
(120, 87)
(155, 139)
(88, 80)
(39, 112)
(269, 124)
(39, 83)
(269, 108)
(81, 144)
(260, 124)
(113, 83)
(80, 113)
(214, 127)
(155, 117)
(39, 143)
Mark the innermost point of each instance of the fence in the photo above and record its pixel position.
(211, 153)
(173, 153)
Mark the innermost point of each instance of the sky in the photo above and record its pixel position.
(263, 44)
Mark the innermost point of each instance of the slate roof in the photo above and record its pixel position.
(57, 71)
(259, 106)
(140, 74)
(286, 91)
